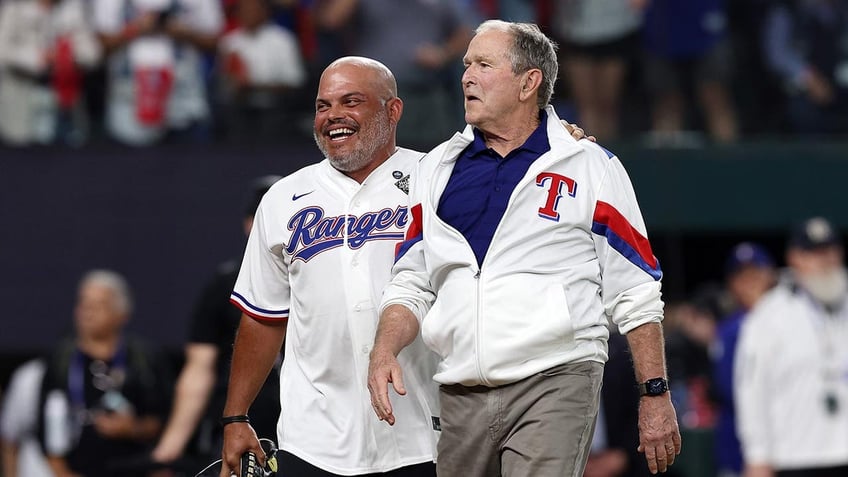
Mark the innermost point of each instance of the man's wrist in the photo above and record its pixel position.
(234, 419)
(653, 387)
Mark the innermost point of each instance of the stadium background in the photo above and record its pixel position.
(167, 216)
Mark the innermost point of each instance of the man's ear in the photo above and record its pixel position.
(530, 83)
(395, 109)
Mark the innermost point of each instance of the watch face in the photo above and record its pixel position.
(656, 386)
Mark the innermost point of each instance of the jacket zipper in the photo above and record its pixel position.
(477, 332)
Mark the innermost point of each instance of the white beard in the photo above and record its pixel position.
(829, 287)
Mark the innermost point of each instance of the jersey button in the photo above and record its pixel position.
(357, 308)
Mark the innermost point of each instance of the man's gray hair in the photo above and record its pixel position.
(115, 282)
(530, 49)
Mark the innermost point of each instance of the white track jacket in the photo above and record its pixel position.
(570, 251)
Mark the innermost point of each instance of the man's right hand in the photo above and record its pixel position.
(382, 370)
(239, 437)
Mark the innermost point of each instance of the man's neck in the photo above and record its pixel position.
(382, 156)
(99, 348)
(511, 136)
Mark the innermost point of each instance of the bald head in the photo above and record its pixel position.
(378, 75)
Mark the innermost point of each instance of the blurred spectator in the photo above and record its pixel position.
(613, 452)
(22, 455)
(193, 434)
(691, 332)
(688, 56)
(508, 10)
(156, 75)
(104, 392)
(750, 272)
(261, 73)
(44, 46)
(600, 39)
(421, 42)
(806, 44)
(791, 374)
(284, 13)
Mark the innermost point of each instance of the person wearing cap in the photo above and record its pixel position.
(791, 371)
(749, 273)
(192, 435)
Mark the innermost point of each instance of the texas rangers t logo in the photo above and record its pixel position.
(555, 183)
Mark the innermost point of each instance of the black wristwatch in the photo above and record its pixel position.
(653, 387)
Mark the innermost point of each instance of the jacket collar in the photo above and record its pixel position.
(562, 144)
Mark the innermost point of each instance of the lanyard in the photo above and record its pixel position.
(107, 381)
(829, 326)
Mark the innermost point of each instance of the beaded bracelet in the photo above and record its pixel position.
(231, 419)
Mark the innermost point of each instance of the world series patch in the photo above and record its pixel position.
(403, 184)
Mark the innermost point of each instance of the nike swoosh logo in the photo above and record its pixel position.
(298, 196)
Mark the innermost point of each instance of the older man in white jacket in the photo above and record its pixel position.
(524, 242)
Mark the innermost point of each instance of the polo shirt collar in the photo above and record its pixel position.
(537, 143)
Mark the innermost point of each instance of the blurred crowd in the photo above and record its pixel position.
(755, 362)
(142, 72)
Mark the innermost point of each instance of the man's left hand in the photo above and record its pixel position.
(659, 434)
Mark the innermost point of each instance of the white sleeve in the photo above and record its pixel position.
(410, 284)
(262, 288)
(630, 273)
(751, 390)
(87, 49)
(19, 414)
(24, 55)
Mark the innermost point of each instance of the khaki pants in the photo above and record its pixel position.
(540, 426)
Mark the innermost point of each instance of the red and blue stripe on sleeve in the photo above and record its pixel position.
(255, 312)
(625, 239)
(414, 233)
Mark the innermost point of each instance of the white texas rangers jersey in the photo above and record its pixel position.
(319, 255)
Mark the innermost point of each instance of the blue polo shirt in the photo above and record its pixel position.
(481, 183)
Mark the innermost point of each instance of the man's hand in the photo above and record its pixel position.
(659, 435)
(115, 425)
(239, 438)
(758, 470)
(818, 87)
(576, 131)
(382, 370)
